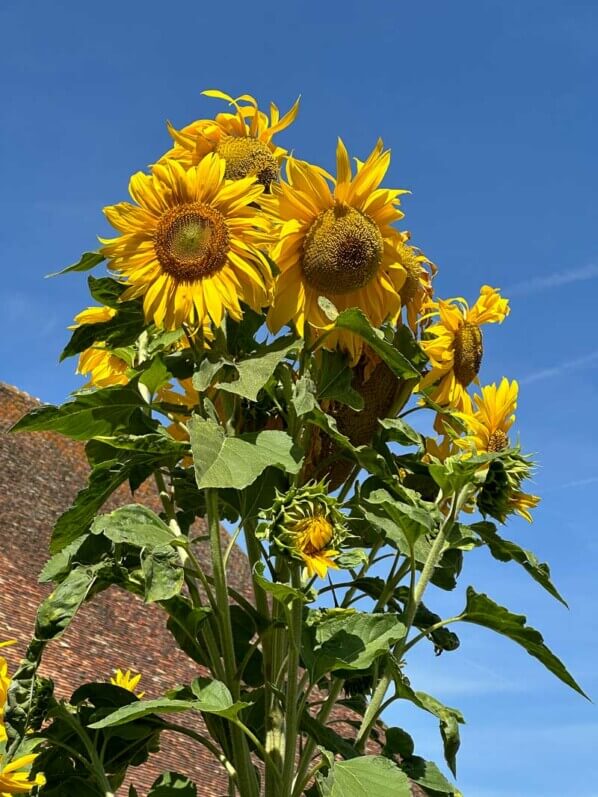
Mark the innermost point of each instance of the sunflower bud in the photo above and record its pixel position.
(307, 524)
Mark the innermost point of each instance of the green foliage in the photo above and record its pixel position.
(363, 777)
(481, 610)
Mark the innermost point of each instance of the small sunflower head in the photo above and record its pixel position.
(501, 494)
(307, 525)
(469, 349)
(247, 156)
(127, 680)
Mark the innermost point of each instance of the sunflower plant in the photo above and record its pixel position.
(265, 346)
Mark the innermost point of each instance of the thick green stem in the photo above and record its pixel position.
(292, 695)
(246, 772)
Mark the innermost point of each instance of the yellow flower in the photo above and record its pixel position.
(417, 288)
(4, 684)
(14, 781)
(523, 502)
(493, 416)
(312, 535)
(127, 680)
(93, 315)
(336, 242)
(243, 139)
(454, 345)
(190, 245)
(103, 367)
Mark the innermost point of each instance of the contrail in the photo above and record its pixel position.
(554, 280)
(557, 370)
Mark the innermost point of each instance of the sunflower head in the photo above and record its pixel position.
(307, 525)
(191, 246)
(454, 344)
(336, 239)
(501, 494)
(244, 139)
(489, 420)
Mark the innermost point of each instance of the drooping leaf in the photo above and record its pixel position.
(304, 400)
(55, 613)
(162, 572)
(426, 774)
(86, 262)
(283, 593)
(104, 412)
(354, 320)
(351, 640)
(204, 376)
(334, 380)
(326, 737)
(450, 718)
(400, 432)
(482, 610)
(253, 373)
(365, 776)
(135, 525)
(236, 462)
(507, 551)
(184, 623)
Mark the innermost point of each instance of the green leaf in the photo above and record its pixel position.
(334, 380)
(171, 784)
(450, 718)
(184, 623)
(398, 742)
(104, 479)
(412, 521)
(89, 414)
(400, 432)
(142, 708)
(351, 640)
(155, 376)
(455, 473)
(86, 262)
(304, 399)
(58, 609)
(283, 593)
(365, 776)
(163, 573)
(117, 333)
(354, 320)
(256, 371)
(135, 525)
(214, 697)
(507, 551)
(426, 774)
(203, 377)
(481, 610)
(236, 462)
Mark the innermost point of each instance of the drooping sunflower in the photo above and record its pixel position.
(488, 423)
(417, 288)
(244, 139)
(15, 778)
(336, 241)
(190, 246)
(103, 367)
(454, 345)
(127, 680)
(308, 525)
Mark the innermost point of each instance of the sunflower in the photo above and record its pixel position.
(488, 423)
(454, 345)
(308, 525)
(336, 242)
(189, 246)
(417, 288)
(244, 139)
(14, 781)
(127, 680)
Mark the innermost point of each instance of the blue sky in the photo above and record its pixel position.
(490, 109)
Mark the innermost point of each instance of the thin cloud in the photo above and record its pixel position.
(560, 368)
(554, 280)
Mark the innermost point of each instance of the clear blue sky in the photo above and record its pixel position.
(490, 109)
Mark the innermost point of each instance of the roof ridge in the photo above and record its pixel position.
(16, 390)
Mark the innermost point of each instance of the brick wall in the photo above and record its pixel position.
(39, 476)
